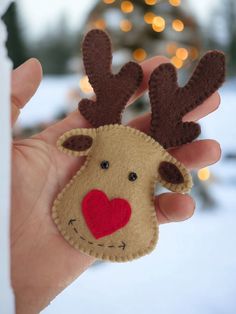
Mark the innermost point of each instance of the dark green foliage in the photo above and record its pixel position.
(53, 52)
(15, 44)
(56, 48)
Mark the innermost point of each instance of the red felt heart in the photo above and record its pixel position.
(104, 216)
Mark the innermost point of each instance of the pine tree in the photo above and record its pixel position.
(16, 46)
(55, 48)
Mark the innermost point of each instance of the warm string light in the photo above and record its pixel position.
(203, 174)
(182, 53)
(109, 1)
(127, 6)
(178, 63)
(139, 54)
(126, 25)
(175, 3)
(85, 85)
(100, 24)
(149, 17)
(158, 24)
(178, 25)
(150, 2)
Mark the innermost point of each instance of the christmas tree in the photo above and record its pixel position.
(144, 28)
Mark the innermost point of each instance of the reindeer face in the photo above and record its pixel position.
(107, 209)
(111, 208)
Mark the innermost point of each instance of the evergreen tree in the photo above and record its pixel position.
(55, 48)
(15, 44)
(149, 27)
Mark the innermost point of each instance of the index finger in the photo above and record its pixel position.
(207, 107)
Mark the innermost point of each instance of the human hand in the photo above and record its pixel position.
(43, 263)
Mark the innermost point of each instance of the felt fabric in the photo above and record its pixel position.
(169, 102)
(112, 91)
(127, 150)
(78, 142)
(170, 173)
(71, 138)
(104, 216)
(107, 209)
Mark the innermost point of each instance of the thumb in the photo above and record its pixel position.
(25, 81)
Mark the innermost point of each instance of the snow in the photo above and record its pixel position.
(50, 99)
(193, 269)
(221, 124)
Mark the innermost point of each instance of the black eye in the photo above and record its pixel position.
(132, 176)
(104, 164)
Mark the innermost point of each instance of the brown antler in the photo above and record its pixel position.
(112, 91)
(169, 102)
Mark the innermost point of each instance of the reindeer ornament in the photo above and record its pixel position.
(107, 209)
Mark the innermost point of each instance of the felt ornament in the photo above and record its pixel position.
(107, 209)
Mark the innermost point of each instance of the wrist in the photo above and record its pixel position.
(33, 295)
(30, 301)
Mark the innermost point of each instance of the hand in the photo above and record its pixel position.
(43, 263)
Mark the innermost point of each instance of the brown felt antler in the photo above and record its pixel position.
(112, 91)
(169, 102)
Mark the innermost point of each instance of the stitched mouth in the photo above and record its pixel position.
(71, 223)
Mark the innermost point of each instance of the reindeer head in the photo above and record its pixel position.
(107, 209)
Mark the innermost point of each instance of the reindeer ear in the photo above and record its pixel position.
(77, 142)
(174, 176)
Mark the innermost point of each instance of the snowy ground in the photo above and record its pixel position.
(193, 269)
(50, 99)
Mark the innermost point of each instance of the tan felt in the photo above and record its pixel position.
(127, 150)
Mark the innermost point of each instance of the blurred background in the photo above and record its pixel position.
(193, 269)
